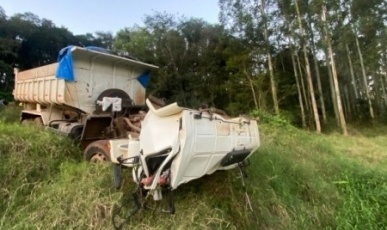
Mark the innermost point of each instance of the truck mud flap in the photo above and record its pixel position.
(95, 126)
(235, 156)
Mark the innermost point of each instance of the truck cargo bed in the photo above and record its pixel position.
(94, 72)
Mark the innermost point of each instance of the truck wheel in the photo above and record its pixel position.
(97, 151)
(27, 122)
(38, 121)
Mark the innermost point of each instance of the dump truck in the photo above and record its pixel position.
(89, 95)
(100, 100)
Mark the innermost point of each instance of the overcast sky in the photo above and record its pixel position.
(82, 16)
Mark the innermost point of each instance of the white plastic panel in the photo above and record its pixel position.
(202, 143)
(125, 148)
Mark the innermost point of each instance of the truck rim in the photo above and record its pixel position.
(97, 151)
(98, 157)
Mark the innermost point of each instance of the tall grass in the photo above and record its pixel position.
(297, 180)
(10, 114)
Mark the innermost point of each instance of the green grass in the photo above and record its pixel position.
(297, 180)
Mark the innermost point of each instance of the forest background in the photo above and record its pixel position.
(318, 63)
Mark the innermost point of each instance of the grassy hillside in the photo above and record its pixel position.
(297, 180)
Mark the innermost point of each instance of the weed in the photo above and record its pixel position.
(297, 180)
(10, 113)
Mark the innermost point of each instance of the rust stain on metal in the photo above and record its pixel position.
(95, 126)
(139, 96)
(241, 129)
(131, 125)
(157, 102)
(222, 129)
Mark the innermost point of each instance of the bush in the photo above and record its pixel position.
(10, 113)
(280, 120)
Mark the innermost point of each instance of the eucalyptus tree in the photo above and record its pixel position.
(364, 75)
(264, 4)
(304, 43)
(355, 28)
(289, 33)
(249, 20)
(334, 70)
(311, 25)
(367, 20)
(340, 39)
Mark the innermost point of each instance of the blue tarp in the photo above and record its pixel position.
(144, 79)
(65, 69)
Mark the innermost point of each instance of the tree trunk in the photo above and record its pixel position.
(384, 88)
(300, 94)
(355, 88)
(347, 104)
(252, 89)
(308, 73)
(270, 64)
(354, 85)
(319, 87)
(299, 91)
(304, 91)
(378, 93)
(367, 91)
(333, 93)
(317, 71)
(384, 81)
(334, 73)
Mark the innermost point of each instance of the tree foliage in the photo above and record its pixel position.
(312, 58)
(27, 41)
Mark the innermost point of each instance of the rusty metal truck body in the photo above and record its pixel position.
(177, 145)
(186, 144)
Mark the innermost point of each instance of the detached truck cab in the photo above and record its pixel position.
(88, 95)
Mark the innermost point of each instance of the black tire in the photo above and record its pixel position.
(38, 121)
(97, 152)
(26, 122)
